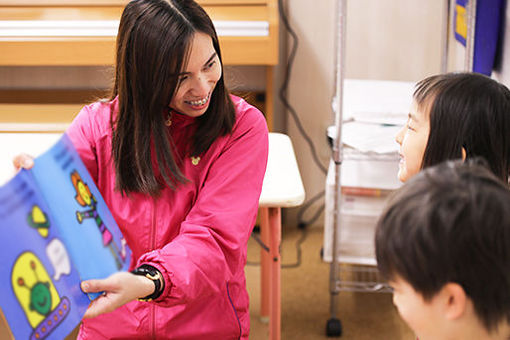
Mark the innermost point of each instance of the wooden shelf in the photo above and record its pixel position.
(100, 50)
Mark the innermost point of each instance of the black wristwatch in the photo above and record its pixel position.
(153, 274)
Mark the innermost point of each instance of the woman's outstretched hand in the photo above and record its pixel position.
(118, 289)
(23, 161)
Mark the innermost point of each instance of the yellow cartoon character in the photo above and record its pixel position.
(37, 296)
(38, 220)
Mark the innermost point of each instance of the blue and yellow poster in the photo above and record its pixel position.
(488, 28)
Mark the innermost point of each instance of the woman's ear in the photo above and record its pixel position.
(464, 154)
(455, 300)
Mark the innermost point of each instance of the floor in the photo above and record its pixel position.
(306, 299)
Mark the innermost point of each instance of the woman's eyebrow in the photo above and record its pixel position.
(207, 62)
(210, 58)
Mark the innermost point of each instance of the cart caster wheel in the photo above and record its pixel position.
(333, 327)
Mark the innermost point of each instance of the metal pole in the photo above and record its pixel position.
(337, 152)
(470, 38)
(446, 35)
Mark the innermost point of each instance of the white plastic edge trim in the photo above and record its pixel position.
(109, 28)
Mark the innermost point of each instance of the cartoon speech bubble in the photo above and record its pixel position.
(59, 258)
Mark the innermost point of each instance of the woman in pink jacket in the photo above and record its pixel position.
(180, 163)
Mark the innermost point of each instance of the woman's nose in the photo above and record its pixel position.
(201, 86)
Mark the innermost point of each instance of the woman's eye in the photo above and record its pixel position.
(211, 64)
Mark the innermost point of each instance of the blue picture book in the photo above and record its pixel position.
(56, 232)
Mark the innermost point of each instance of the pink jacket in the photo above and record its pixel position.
(196, 235)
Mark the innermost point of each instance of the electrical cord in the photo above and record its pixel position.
(285, 84)
(296, 264)
(302, 223)
(282, 95)
(301, 239)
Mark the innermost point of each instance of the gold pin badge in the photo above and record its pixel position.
(195, 160)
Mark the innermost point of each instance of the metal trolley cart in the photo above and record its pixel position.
(361, 275)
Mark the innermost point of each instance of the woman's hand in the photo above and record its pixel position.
(23, 161)
(119, 289)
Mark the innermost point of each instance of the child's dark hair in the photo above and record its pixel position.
(451, 223)
(470, 111)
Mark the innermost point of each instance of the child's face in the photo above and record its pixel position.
(197, 82)
(420, 315)
(413, 139)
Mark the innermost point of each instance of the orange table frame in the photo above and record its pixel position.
(282, 188)
(270, 263)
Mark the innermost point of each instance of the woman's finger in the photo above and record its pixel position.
(95, 286)
(23, 161)
(113, 283)
(101, 305)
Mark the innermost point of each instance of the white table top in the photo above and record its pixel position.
(282, 182)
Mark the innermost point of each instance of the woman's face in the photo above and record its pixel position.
(413, 138)
(197, 82)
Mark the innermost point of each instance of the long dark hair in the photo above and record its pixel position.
(152, 47)
(470, 111)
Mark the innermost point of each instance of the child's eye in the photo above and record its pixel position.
(408, 124)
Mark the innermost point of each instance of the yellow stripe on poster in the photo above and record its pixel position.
(461, 21)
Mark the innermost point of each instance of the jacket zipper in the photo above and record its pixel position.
(235, 313)
(153, 245)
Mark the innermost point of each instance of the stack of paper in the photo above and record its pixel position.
(373, 113)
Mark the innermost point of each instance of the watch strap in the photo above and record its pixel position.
(153, 274)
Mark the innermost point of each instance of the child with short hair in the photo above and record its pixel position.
(454, 116)
(443, 244)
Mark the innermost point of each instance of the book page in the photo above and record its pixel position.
(39, 288)
(96, 245)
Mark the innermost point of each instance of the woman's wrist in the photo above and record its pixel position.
(152, 274)
(145, 286)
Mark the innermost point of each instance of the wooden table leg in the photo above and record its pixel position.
(275, 292)
(265, 265)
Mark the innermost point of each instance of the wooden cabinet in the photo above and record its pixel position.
(82, 33)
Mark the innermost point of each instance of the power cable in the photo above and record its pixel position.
(302, 223)
(282, 95)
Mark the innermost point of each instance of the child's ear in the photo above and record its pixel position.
(455, 300)
(464, 154)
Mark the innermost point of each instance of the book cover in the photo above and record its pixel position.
(56, 232)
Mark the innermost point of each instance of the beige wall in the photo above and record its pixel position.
(392, 40)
